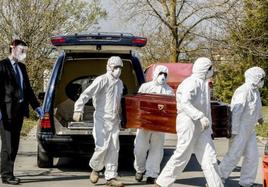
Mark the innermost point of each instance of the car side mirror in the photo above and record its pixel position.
(41, 95)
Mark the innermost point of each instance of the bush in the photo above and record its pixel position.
(262, 130)
(230, 75)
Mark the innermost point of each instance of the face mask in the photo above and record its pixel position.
(161, 79)
(260, 84)
(21, 57)
(116, 72)
(209, 74)
(20, 53)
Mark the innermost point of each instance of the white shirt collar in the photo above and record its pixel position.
(12, 60)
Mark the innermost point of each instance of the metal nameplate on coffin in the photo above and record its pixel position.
(80, 125)
(158, 107)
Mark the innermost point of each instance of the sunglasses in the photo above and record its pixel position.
(117, 67)
(163, 73)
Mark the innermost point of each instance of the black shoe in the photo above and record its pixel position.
(11, 180)
(150, 180)
(139, 176)
(16, 178)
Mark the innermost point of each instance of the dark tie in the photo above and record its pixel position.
(18, 78)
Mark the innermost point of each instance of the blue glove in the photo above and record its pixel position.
(39, 112)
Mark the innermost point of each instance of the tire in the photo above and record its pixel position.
(43, 159)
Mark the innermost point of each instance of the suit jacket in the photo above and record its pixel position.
(9, 91)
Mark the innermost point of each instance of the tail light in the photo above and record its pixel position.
(45, 122)
(57, 40)
(139, 41)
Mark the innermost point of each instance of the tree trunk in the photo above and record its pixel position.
(174, 55)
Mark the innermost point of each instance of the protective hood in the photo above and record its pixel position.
(201, 67)
(113, 62)
(254, 76)
(158, 69)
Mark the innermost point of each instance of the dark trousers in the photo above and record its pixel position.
(10, 138)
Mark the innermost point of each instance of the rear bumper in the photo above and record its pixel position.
(78, 145)
(61, 146)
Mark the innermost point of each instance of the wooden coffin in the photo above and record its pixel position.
(158, 113)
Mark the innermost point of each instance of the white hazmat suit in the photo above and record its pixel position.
(151, 142)
(193, 125)
(105, 91)
(246, 111)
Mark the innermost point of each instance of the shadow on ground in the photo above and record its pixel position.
(125, 170)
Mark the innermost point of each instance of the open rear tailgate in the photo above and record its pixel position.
(98, 42)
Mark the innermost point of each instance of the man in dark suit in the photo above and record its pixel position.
(15, 96)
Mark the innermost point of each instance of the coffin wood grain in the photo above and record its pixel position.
(158, 113)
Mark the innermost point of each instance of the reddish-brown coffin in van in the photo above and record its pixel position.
(177, 72)
(158, 113)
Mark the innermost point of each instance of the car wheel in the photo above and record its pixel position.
(43, 159)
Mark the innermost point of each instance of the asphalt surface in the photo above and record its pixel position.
(69, 172)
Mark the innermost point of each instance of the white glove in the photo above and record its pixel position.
(233, 135)
(204, 123)
(78, 116)
(231, 140)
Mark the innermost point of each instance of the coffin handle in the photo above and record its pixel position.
(160, 107)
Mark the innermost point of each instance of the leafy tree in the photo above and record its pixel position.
(228, 76)
(34, 21)
(247, 45)
(175, 26)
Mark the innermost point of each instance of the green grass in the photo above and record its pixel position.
(28, 124)
(262, 130)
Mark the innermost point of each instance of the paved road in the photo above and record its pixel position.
(71, 172)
